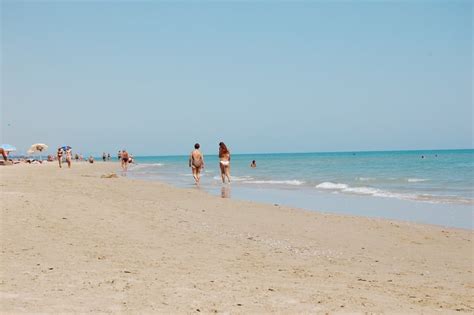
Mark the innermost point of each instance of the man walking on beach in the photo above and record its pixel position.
(125, 158)
(196, 163)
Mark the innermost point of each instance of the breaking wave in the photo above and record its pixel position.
(293, 182)
(370, 191)
(147, 165)
(416, 180)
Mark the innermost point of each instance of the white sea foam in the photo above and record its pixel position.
(236, 178)
(444, 199)
(416, 180)
(362, 190)
(330, 185)
(365, 179)
(293, 182)
(348, 189)
(370, 191)
(145, 165)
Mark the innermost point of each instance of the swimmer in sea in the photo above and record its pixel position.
(253, 164)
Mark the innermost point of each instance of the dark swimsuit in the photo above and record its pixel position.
(197, 163)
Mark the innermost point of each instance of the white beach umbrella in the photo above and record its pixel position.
(37, 148)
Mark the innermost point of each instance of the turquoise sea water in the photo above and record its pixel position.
(426, 181)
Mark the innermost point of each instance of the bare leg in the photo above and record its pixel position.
(227, 172)
(59, 161)
(195, 175)
(222, 172)
(4, 154)
(198, 174)
(69, 163)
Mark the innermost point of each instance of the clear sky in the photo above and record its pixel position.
(155, 77)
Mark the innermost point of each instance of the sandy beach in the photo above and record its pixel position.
(74, 241)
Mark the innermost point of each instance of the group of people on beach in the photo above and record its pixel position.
(66, 152)
(123, 156)
(196, 162)
(105, 157)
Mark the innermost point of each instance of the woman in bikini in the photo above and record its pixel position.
(59, 155)
(224, 162)
(196, 163)
(68, 157)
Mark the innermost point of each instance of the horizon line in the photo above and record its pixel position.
(318, 152)
(263, 153)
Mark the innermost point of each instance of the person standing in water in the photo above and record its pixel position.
(196, 163)
(104, 157)
(253, 164)
(68, 157)
(224, 162)
(59, 155)
(125, 158)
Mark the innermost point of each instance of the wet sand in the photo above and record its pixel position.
(73, 241)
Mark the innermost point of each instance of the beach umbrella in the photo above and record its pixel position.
(7, 147)
(37, 147)
(66, 147)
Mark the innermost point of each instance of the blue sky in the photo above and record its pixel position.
(155, 77)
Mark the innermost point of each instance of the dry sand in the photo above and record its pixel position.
(72, 241)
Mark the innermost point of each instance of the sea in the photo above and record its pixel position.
(431, 187)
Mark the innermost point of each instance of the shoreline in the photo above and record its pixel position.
(392, 207)
(149, 246)
(269, 203)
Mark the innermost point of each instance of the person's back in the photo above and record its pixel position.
(196, 158)
(224, 162)
(196, 162)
